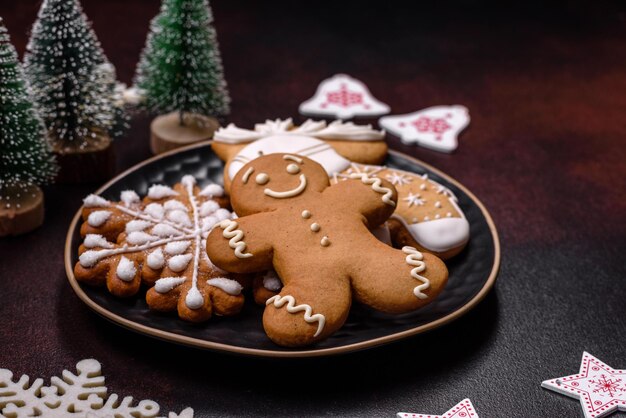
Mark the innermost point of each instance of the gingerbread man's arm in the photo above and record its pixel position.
(240, 246)
(373, 197)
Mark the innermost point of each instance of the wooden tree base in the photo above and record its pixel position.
(166, 132)
(93, 163)
(21, 209)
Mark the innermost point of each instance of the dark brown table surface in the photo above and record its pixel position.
(545, 152)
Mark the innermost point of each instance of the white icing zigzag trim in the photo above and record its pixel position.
(376, 186)
(280, 301)
(339, 130)
(236, 237)
(414, 258)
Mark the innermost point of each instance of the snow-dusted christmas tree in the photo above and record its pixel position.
(73, 84)
(181, 71)
(25, 158)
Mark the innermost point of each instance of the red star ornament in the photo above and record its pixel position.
(600, 388)
(463, 409)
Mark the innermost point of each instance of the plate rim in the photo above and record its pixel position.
(204, 344)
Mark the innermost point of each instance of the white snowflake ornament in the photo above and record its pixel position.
(436, 127)
(463, 409)
(81, 395)
(600, 388)
(343, 97)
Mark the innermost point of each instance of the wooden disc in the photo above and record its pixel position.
(95, 162)
(21, 209)
(167, 133)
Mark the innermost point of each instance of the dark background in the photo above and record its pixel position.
(545, 152)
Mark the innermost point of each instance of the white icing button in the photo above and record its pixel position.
(126, 270)
(98, 218)
(179, 263)
(177, 247)
(423, 187)
(414, 220)
(426, 218)
(292, 169)
(437, 204)
(156, 260)
(262, 178)
(325, 242)
(437, 216)
(315, 227)
(194, 299)
(306, 214)
(168, 283)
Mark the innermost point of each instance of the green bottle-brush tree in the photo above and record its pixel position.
(180, 68)
(25, 158)
(72, 81)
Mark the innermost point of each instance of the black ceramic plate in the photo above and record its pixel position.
(472, 273)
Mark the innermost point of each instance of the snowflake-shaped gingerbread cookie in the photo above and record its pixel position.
(159, 241)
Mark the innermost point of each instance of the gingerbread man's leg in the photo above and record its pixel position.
(307, 309)
(398, 281)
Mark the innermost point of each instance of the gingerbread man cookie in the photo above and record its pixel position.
(159, 242)
(428, 216)
(316, 238)
(359, 143)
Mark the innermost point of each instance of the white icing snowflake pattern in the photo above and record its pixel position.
(398, 179)
(81, 395)
(414, 199)
(171, 235)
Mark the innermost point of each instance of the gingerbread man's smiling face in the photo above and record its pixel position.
(275, 180)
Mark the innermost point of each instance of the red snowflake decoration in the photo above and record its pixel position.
(610, 386)
(344, 97)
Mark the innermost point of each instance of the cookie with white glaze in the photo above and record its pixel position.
(427, 217)
(316, 238)
(359, 143)
(159, 241)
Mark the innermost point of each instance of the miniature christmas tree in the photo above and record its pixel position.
(25, 158)
(74, 87)
(181, 71)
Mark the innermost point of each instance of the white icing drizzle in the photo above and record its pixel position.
(414, 258)
(376, 186)
(96, 240)
(194, 298)
(235, 236)
(95, 201)
(129, 197)
(338, 130)
(293, 158)
(306, 214)
(174, 204)
(247, 175)
(325, 242)
(288, 193)
(160, 191)
(280, 301)
(262, 178)
(137, 225)
(156, 260)
(126, 269)
(98, 218)
(166, 284)
(315, 227)
(212, 190)
(232, 287)
(177, 247)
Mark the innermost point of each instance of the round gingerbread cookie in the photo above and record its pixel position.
(317, 239)
(159, 241)
(427, 217)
